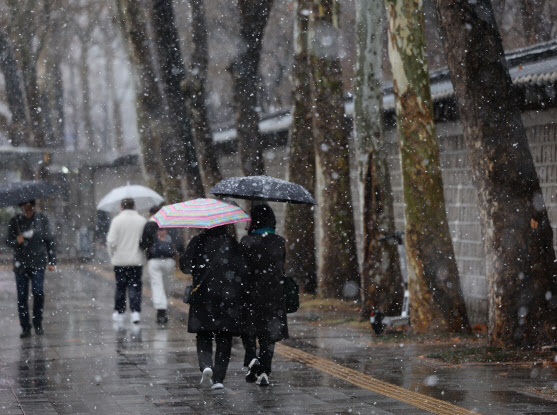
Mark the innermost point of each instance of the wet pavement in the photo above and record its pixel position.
(85, 365)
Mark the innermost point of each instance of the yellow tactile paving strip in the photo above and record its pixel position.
(433, 405)
(364, 381)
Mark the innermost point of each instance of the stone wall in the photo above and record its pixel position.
(461, 200)
(460, 194)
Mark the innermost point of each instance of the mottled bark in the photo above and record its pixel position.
(299, 227)
(435, 295)
(152, 123)
(338, 263)
(244, 70)
(19, 128)
(195, 91)
(179, 154)
(520, 259)
(382, 284)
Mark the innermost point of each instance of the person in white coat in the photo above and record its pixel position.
(127, 257)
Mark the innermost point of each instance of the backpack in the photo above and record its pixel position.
(162, 246)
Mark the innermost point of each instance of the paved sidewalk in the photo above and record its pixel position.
(84, 365)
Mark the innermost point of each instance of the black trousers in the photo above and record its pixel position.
(128, 278)
(222, 353)
(266, 351)
(22, 278)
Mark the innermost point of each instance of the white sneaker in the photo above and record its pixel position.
(263, 380)
(135, 317)
(217, 386)
(118, 317)
(207, 377)
(253, 368)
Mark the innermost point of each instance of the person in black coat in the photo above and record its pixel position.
(30, 235)
(214, 259)
(266, 312)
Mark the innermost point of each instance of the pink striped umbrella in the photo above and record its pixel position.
(199, 213)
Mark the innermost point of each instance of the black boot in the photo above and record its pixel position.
(26, 332)
(162, 317)
(39, 330)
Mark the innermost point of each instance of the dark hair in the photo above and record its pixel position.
(27, 201)
(262, 216)
(128, 204)
(154, 209)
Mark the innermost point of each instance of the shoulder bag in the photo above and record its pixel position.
(291, 294)
(190, 289)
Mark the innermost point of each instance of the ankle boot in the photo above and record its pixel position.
(162, 317)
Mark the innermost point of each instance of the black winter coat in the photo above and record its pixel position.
(34, 251)
(266, 312)
(215, 260)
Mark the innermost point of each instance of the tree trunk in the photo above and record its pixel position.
(114, 105)
(520, 260)
(179, 155)
(435, 296)
(117, 120)
(29, 72)
(244, 70)
(29, 24)
(53, 93)
(108, 107)
(152, 123)
(74, 99)
(195, 91)
(58, 104)
(299, 227)
(382, 284)
(535, 23)
(90, 141)
(19, 128)
(338, 262)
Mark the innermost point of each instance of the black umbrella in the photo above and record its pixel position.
(12, 194)
(262, 188)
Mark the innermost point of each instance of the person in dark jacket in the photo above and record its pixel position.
(266, 316)
(218, 269)
(161, 247)
(30, 236)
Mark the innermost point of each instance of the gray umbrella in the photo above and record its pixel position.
(266, 188)
(12, 194)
